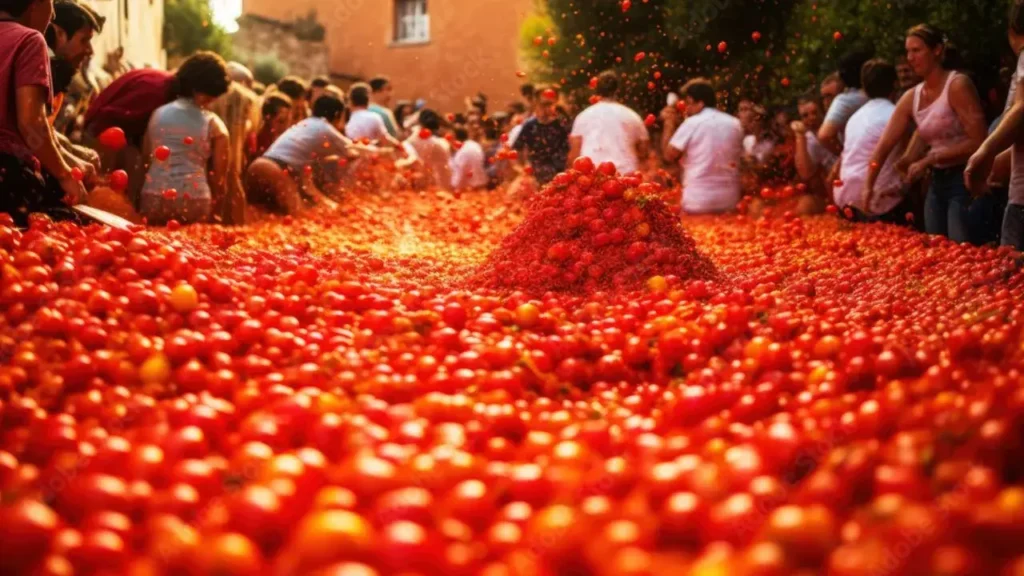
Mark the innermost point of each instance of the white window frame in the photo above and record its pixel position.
(412, 22)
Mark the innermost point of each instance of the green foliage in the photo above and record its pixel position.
(268, 69)
(680, 39)
(189, 26)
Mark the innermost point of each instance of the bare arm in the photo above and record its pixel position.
(979, 167)
(963, 97)
(805, 168)
(896, 130)
(37, 133)
(643, 151)
(828, 135)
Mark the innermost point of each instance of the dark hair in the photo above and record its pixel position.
(320, 82)
(878, 78)
(274, 103)
(809, 97)
(294, 87)
(71, 17)
(850, 65)
(517, 108)
(379, 83)
(933, 38)
(359, 95)
(490, 127)
(700, 89)
(607, 84)
(527, 91)
(430, 120)
(399, 110)
(461, 132)
(15, 7)
(202, 73)
(329, 107)
(1017, 17)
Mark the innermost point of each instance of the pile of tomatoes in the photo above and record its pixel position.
(332, 396)
(592, 229)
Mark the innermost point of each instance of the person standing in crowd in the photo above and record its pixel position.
(946, 111)
(275, 114)
(283, 179)
(34, 176)
(469, 170)
(831, 87)
(432, 152)
(380, 98)
(813, 161)
(846, 102)
(608, 131)
(708, 146)
(364, 125)
(874, 190)
(908, 79)
(185, 184)
(1001, 157)
(543, 143)
(296, 89)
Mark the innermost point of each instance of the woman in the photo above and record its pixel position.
(240, 114)
(946, 111)
(190, 171)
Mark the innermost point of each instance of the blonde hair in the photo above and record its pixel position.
(239, 110)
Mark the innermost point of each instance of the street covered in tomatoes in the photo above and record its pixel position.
(395, 388)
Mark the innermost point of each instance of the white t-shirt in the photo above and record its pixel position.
(821, 157)
(435, 154)
(610, 133)
(759, 149)
(306, 142)
(712, 143)
(863, 132)
(844, 106)
(1017, 155)
(366, 124)
(469, 168)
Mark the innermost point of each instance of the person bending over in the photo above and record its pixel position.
(185, 184)
(708, 146)
(34, 176)
(282, 180)
(275, 114)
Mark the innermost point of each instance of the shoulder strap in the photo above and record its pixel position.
(917, 96)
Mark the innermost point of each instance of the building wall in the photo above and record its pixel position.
(137, 25)
(473, 45)
(258, 37)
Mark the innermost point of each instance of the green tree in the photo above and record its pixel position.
(269, 69)
(189, 26)
(774, 49)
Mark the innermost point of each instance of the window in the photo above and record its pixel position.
(412, 23)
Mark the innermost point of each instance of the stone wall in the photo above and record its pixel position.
(258, 37)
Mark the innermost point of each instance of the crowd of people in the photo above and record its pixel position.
(878, 139)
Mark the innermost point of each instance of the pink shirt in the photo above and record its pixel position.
(24, 61)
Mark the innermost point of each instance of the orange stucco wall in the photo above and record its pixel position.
(473, 45)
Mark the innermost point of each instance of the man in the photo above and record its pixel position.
(69, 36)
(831, 86)
(544, 140)
(863, 131)
(317, 87)
(380, 103)
(432, 152)
(846, 103)
(526, 113)
(469, 170)
(708, 147)
(905, 73)
(364, 125)
(608, 131)
(757, 140)
(283, 180)
(813, 161)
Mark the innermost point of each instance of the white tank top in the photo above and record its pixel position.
(184, 128)
(938, 124)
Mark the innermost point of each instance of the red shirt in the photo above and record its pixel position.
(128, 103)
(24, 61)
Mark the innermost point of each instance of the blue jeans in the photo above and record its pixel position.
(1013, 226)
(947, 203)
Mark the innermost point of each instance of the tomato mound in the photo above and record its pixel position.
(589, 230)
